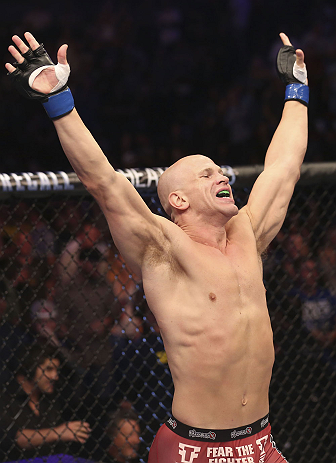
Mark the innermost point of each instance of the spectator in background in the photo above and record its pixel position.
(318, 307)
(327, 260)
(125, 282)
(141, 373)
(87, 305)
(123, 432)
(12, 337)
(127, 289)
(65, 224)
(21, 274)
(48, 329)
(44, 321)
(43, 237)
(31, 415)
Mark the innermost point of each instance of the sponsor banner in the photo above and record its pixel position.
(43, 183)
(40, 182)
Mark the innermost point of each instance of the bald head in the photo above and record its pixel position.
(177, 176)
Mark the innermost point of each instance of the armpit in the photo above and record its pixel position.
(161, 254)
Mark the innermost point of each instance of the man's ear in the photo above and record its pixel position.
(178, 201)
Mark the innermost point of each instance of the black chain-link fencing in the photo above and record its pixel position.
(74, 315)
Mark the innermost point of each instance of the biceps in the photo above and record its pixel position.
(267, 208)
(134, 235)
(132, 224)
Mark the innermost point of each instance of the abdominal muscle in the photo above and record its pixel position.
(222, 377)
(212, 313)
(219, 345)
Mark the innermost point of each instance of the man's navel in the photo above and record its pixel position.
(212, 297)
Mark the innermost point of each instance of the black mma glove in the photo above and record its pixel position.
(57, 103)
(292, 75)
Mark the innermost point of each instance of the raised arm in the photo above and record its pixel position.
(269, 199)
(133, 226)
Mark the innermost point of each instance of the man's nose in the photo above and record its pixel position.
(223, 179)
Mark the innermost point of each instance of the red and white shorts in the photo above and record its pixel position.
(176, 442)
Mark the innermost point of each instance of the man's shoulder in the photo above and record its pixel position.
(171, 235)
(241, 223)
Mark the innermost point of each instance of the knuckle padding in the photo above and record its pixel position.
(295, 89)
(23, 66)
(40, 51)
(28, 55)
(285, 62)
(33, 59)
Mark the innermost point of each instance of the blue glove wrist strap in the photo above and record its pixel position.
(59, 104)
(298, 92)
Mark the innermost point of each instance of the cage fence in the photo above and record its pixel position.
(66, 294)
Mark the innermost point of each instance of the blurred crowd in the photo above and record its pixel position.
(158, 79)
(64, 284)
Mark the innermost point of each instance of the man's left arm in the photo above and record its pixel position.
(269, 199)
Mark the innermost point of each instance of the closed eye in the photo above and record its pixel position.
(206, 173)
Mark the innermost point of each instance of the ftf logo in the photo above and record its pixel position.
(188, 452)
(261, 443)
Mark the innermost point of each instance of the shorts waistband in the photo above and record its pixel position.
(216, 435)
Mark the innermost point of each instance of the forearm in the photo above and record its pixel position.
(82, 151)
(289, 143)
(28, 438)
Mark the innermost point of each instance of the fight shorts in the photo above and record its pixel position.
(176, 442)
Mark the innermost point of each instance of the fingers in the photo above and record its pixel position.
(10, 68)
(77, 431)
(285, 39)
(300, 58)
(23, 48)
(299, 52)
(20, 44)
(33, 43)
(81, 430)
(62, 54)
(16, 55)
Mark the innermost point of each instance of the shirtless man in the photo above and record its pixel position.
(202, 271)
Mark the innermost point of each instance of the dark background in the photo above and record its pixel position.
(155, 80)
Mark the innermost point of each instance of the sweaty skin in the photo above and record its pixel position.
(202, 271)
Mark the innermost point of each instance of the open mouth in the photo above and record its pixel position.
(223, 194)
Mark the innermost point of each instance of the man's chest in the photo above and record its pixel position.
(236, 269)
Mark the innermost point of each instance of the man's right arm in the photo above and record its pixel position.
(133, 226)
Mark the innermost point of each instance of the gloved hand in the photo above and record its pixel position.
(292, 71)
(34, 63)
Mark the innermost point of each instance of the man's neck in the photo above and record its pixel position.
(207, 234)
